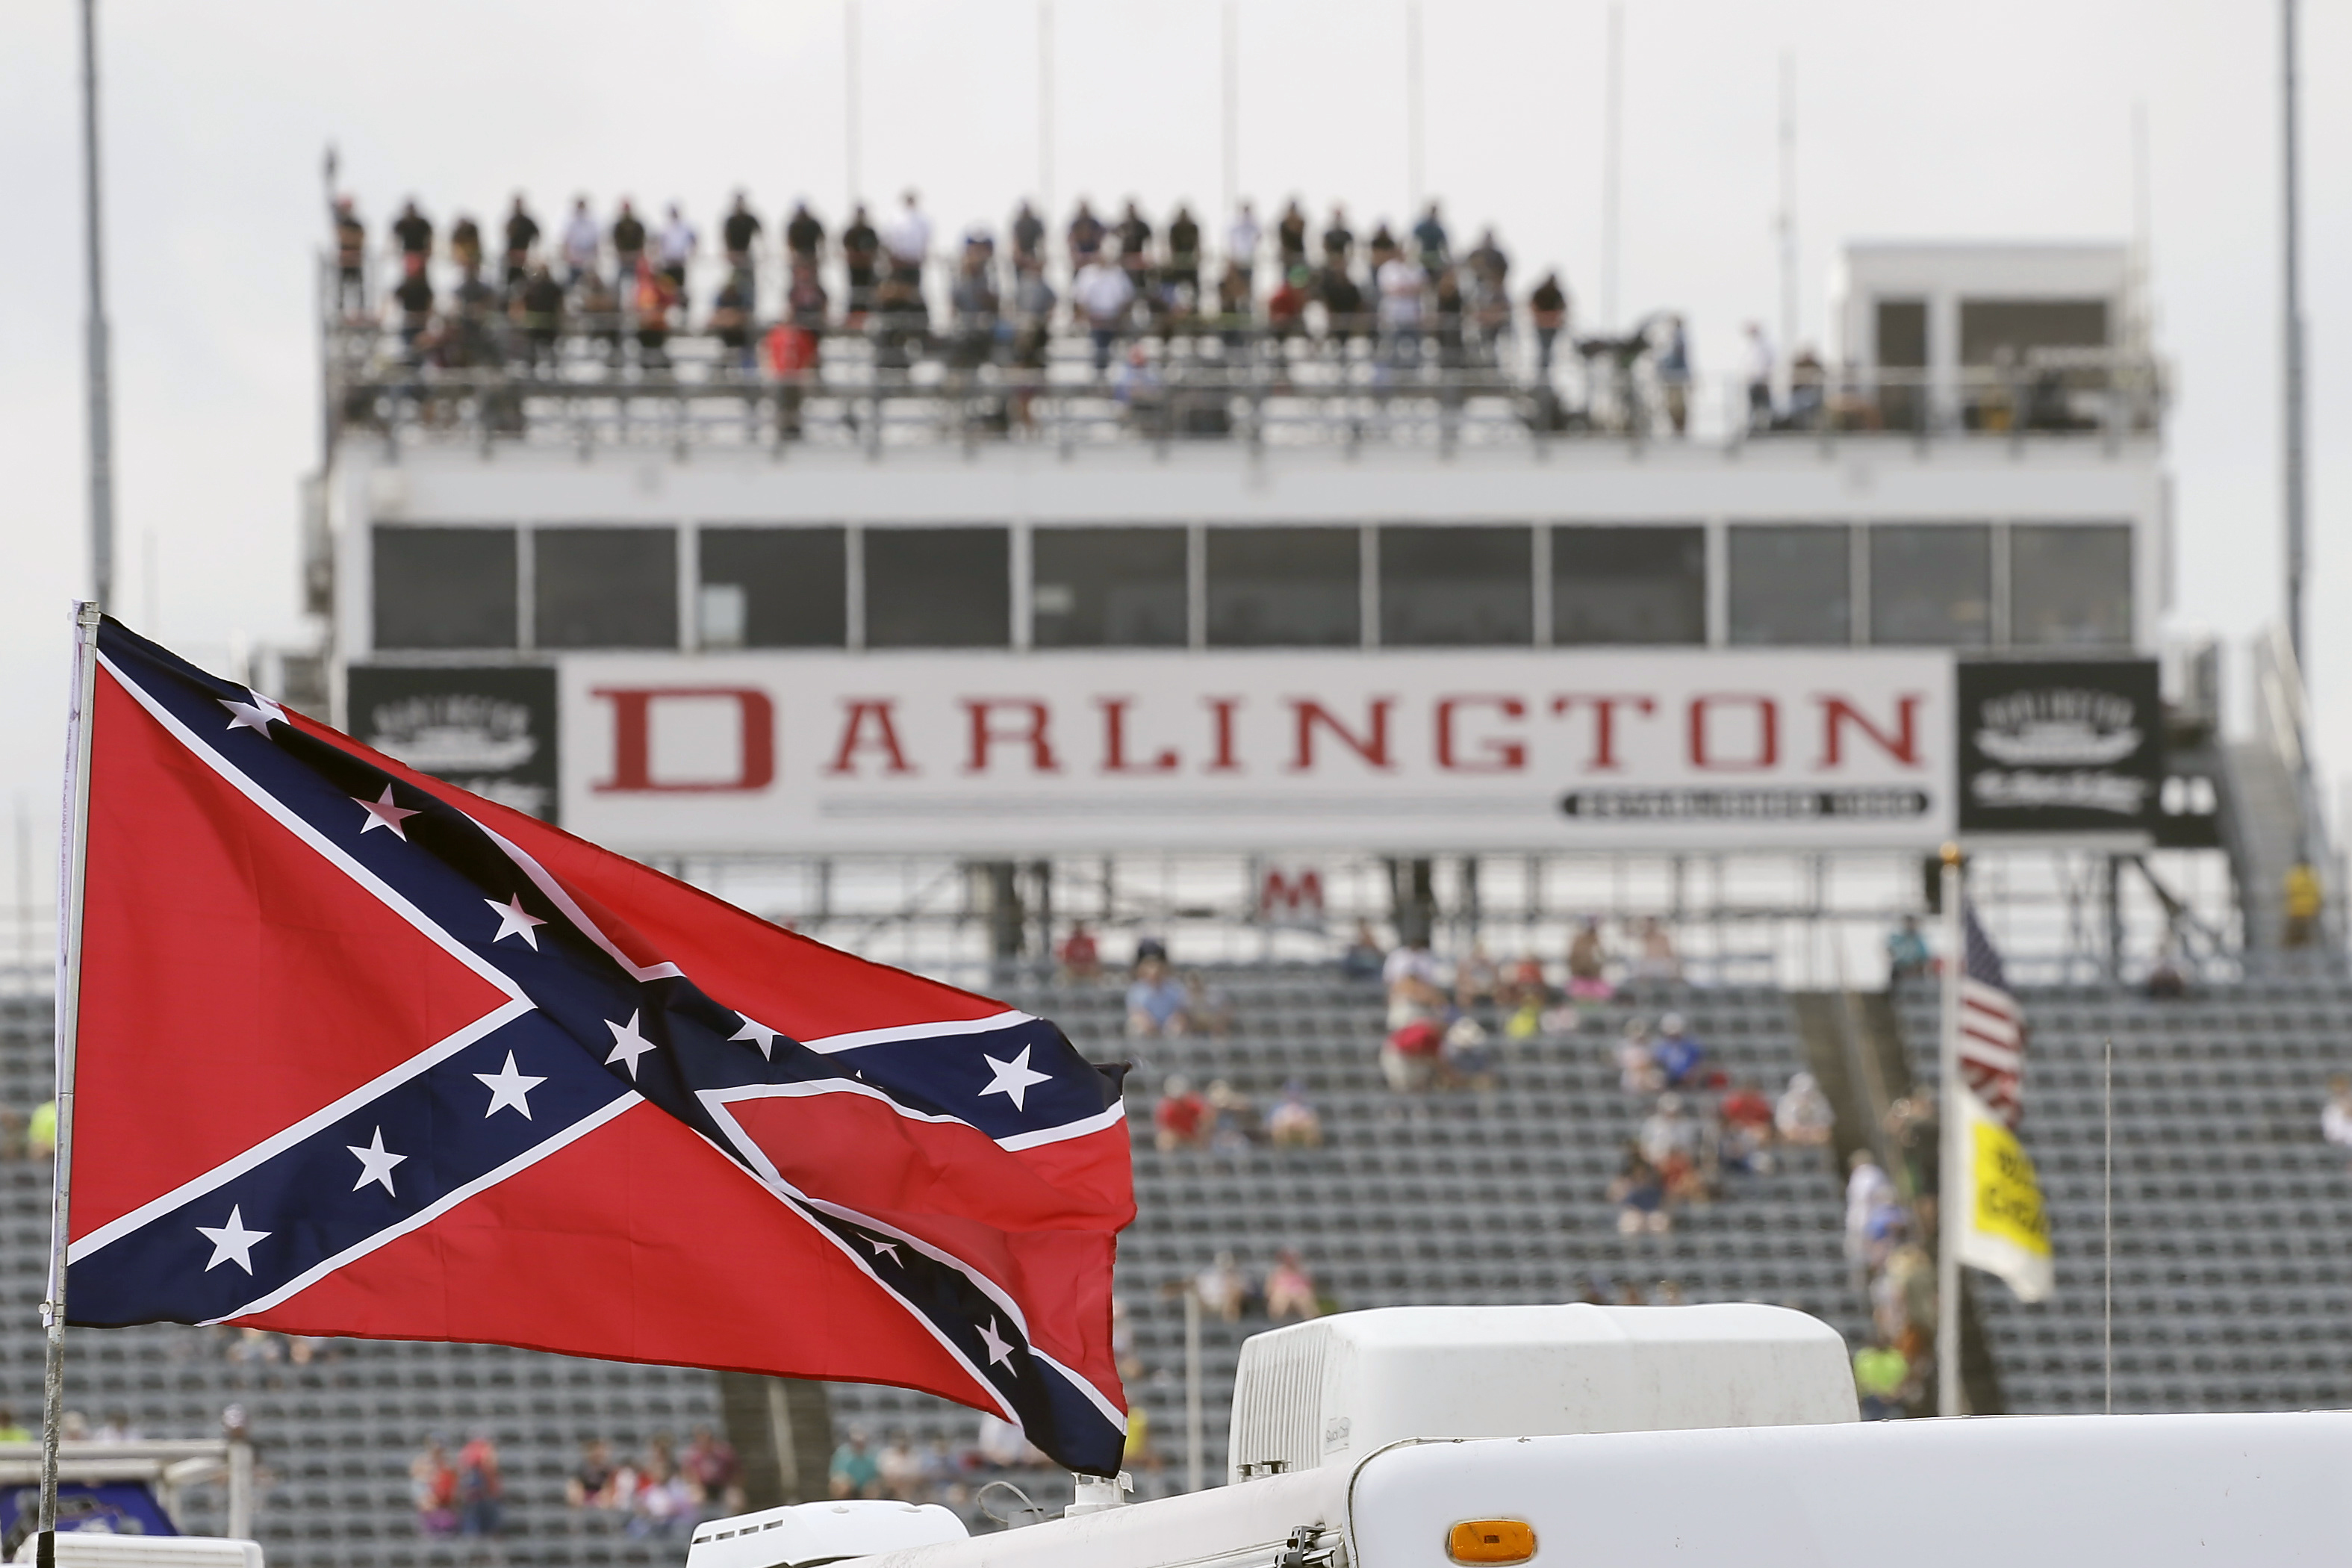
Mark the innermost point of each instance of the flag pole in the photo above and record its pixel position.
(73, 867)
(1952, 1126)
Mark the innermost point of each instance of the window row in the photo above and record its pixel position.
(1787, 585)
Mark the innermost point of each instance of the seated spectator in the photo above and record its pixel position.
(711, 1465)
(1655, 962)
(1080, 960)
(1913, 1137)
(41, 1132)
(1524, 1020)
(1364, 957)
(1671, 1139)
(900, 1468)
(1587, 964)
(1408, 1059)
(1207, 1009)
(1414, 980)
(1155, 1002)
(591, 1485)
(1469, 1060)
(1682, 1060)
(665, 1503)
(1907, 950)
(1475, 978)
(1232, 1119)
(1001, 1447)
(1747, 1118)
(1182, 1119)
(2336, 1117)
(1221, 1287)
(1804, 1115)
(1880, 1370)
(1640, 1193)
(1293, 1123)
(1524, 983)
(433, 1481)
(1637, 1059)
(480, 1491)
(1290, 1290)
(856, 1473)
(943, 1474)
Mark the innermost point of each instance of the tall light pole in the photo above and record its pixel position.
(101, 398)
(1231, 65)
(1045, 110)
(2291, 308)
(1414, 173)
(1611, 151)
(849, 104)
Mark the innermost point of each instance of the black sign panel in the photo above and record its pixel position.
(490, 729)
(2060, 746)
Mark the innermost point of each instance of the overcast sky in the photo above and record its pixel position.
(2007, 119)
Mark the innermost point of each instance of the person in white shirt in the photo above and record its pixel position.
(1241, 241)
(582, 244)
(909, 237)
(2336, 1118)
(1103, 294)
(1759, 379)
(1868, 1188)
(676, 245)
(1400, 284)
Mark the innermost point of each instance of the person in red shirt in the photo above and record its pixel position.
(1081, 961)
(1409, 1060)
(1747, 1119)
(1182, 1120)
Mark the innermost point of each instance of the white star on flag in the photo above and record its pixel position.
(629, 1045)
(375, 1163)
(513, 919)
(382, 813)
(1012, 1078)
(255, 715)
(509, 1087)
(999, 1350)
(759, 1035)
(232, 1243)
(881, 1247)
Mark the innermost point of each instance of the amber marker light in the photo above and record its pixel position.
(1491, 1540)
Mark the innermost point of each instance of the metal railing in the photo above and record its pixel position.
(584, 370)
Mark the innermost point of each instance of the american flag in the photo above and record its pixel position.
(1992, 1025)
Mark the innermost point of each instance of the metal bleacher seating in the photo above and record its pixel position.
(2233, 1219)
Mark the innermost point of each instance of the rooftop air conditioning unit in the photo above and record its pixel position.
(803, 1534)
(1334, 1390)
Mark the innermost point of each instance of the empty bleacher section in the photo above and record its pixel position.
(2233, 1220)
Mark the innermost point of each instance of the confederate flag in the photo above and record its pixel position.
(362, 1054)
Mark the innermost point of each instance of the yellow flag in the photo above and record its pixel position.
(2004, 1230)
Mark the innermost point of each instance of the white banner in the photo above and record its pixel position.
(1424, 752)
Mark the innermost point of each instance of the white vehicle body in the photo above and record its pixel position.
(104, 1549)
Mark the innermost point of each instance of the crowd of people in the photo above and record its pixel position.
(664, 1494)
(901, 1470)
(477, 295)
(1889, 1231)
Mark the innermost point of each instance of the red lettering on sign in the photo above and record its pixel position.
(1503, 756)
(1303, 893)
(1768, 736)
(1115, 741)
(1604, 706)
(865, 713)
(1224, 762)
(984, 735)
(1373, 747)
(1903, 746)
(633, 739)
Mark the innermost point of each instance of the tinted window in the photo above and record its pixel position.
(1108, 588)
(604, 587)
(1285, 587)
(444, 587)
(1450, 587)
(2070, 587)
(938, 587)
(1931, 585)
(773, 587)
(1790, 585)
(1902, 333)
(1628, 585)
(1989, 326)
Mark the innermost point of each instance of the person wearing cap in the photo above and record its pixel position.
(1682, 1060)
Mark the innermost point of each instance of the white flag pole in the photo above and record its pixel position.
(73, 867)
(1950, 1202)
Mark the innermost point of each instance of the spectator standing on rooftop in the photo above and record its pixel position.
(628, 242)
(1803, 1114)
(675, 248)
(1103, 294)
(1085, 237)
(739, 232)
(465, 244)
(861, 252)
(1339, 239)
(582, 244)
(1241, 242)
(1184, 251)
(1907, 950)
(1675, 372)
(412, 231)
(1548, 312)
(350, 257)
(1290, 1290)
(1027, 233)
(909, 239)
(1290, 236)
(522, 235)
(2335, 1116)
(803, 235)
(1134, 235)
(1760, 378)
(413, 298)
(1429, 238)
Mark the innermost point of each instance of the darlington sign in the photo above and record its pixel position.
(979, 753)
